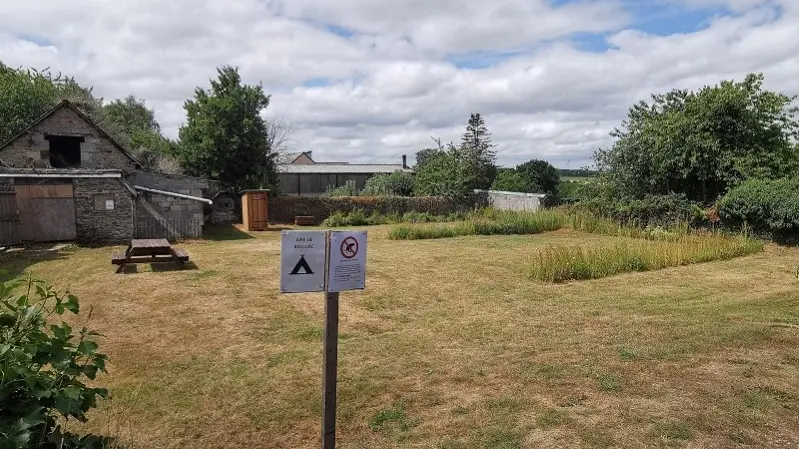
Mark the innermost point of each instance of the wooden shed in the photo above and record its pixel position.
(254, 209)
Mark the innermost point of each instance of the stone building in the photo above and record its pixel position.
(64, 178)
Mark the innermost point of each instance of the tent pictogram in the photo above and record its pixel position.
(302, 265)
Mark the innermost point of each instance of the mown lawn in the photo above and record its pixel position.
(451, 346)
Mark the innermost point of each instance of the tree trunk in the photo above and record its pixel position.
(704, 191)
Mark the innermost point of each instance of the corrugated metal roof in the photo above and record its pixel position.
(341, 168)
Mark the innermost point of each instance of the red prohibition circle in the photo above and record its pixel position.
(349, 247)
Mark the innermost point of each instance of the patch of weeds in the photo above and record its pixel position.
(675, 351)
(595, 439)
(391, 422)
(762, 398)
(459, 411)
(791, 360)
(546, 371)
(740, 437)
(610, 382)
(287, 357)
(552, 417)
(573, 401)
(673, 433)
(449, 443)
(375, 303)
(203, 274)
(628, 354)
(504, 405)
(502, 438)
(310, 333)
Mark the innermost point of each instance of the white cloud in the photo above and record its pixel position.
(392, 83)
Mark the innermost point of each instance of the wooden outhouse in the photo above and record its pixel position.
(254, 209)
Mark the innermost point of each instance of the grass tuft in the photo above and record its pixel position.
(610, 382)
(552, 417)
(488, 222)
(563, 263)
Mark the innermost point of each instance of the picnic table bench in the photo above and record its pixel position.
(149, 251)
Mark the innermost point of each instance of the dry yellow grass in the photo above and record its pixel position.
(451, 346)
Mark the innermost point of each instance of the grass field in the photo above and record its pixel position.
(451, 346)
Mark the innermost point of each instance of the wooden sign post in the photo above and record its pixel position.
(344, 257)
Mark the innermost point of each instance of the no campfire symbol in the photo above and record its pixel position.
(349, 247)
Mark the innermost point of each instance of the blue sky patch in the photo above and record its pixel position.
(36, 39)
(318, 82)
(340, 31)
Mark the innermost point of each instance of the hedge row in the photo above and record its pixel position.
(283, 209)
(652, 210)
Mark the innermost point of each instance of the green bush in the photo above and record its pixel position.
(348, 189)
(399, 183)
(44, 364)
(358, 218)
(768, 207)
(652, 210)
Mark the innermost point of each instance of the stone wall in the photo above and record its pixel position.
(226, 209)
(182, 215)
(95, 222)
(517, 201)
(283, 209)
(33, 150)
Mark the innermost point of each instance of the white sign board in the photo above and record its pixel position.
(302, 261)
(347, 270)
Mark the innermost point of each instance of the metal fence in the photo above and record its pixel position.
(170, 229)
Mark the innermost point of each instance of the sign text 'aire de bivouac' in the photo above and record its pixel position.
(302, 261)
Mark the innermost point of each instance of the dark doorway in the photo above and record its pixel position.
(65, 151)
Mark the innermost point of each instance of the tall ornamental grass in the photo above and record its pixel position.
(487, 222)
(563, 263)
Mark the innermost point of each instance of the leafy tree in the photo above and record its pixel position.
(539, 176)
(225, 138)
(141, 133)
(702, 143)
(26, 94)
(44, 365)
(445, 174)
(509, 180)
(426, 155)
(399, 183)
(477, 152)
(533, 176)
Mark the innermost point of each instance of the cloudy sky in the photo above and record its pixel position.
(370, 80)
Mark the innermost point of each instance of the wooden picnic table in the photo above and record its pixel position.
(149, 251)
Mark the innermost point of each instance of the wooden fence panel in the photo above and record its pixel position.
(9, 218)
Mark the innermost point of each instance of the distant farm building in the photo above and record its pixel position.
(300, 175)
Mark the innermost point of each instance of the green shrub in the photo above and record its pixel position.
(348, 189)
(399, 183)
(768, 207)
(418, 217)
(336, 220)
(561, 263)
(652, 210)
(44, 364)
